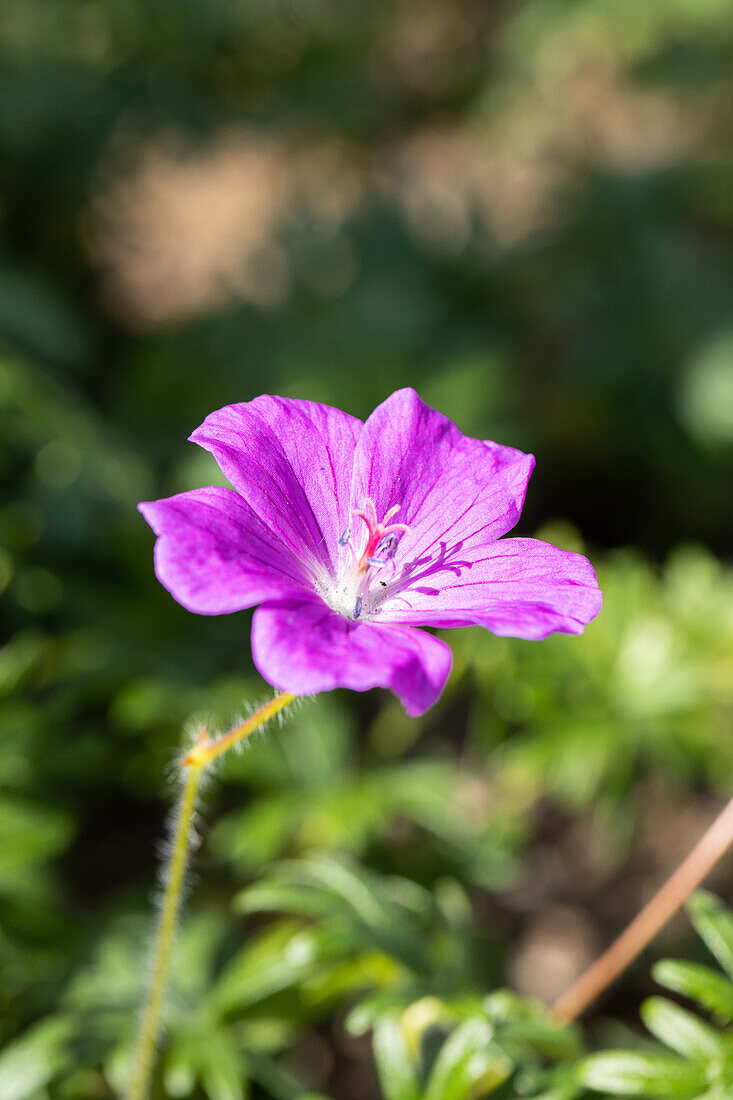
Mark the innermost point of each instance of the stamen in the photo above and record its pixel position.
(382, 536)
(350, 594)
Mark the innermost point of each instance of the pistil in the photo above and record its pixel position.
(382, 535)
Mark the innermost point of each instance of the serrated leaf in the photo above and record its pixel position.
(397, 1073)
(712, 990)
(714, 924)
(29, 1063)
(466, 1060)
(628, 1073)
(681, 1030)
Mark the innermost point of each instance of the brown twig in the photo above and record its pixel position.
(712, 846)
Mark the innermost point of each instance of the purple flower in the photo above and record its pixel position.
(350, 535)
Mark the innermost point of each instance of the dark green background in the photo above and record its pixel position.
(523, 210)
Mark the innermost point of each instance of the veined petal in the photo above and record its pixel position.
(292, 462)
(454, 492)
(214, 555)
(305, 648)
(521, 588)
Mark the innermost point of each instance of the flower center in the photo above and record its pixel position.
(349, 594)
(382, 536)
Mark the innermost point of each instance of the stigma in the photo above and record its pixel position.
(382, 537)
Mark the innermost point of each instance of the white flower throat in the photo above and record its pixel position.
(356, 592)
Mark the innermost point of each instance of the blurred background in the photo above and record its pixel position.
(525, 211)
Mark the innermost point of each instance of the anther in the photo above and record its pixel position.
(358, 607)
(344, 538)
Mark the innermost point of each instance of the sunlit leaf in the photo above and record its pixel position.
(714, 923)
(282, 955)
(700, 983)
(467, 1060)
(30, 1062)
(627, 1073)
(681, 1030)
(397, 1074)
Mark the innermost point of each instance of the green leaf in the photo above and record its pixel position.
(222, 1072)
(681, 1030)
(326, 884)
(528, 1023)
(284, 897)
(252, 838)
(565, 1091)
(387, 925)
(714, 924)
(627, 1073)
(344, 978)
(397, 1073)
(700, 983)
(284, 954)
(30, 1062)
(468, 1060)
(28, 834)
(209, 1056)
(277, 1081)
(179, 1071)
(366, 1012)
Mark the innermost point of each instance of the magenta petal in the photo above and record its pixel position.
(522, 588)
(453, 491)
(292, 462)
(305, 648)
(214, 555)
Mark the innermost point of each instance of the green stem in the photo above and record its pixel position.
(147, 1040)
(194, 764)
(205, 750)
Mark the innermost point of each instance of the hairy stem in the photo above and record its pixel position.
(714, 843)
(205, 750)
(194, 763)
(144, 1055)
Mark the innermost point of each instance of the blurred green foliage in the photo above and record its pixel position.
(225, 1026)
(523, 210)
